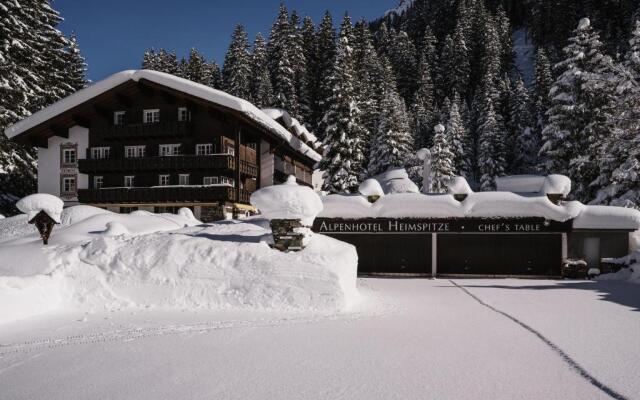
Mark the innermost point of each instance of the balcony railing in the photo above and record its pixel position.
(158, 129)
(184, 162)
(169, 194)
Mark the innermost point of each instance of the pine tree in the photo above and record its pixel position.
(299, 66)
(491, 149)
(525, 146)
(578, 117)
(442, 160)
(261, 90)
(343, 160)
(423, 109)
(281, 62)
(196, 68)
(236, 72)
(541, 101)
(325, 56)
(216, 76)
(309, 101)
(167, 62)
(150, 60)
(391, 143)
(403, 60)
(458, 136)
(75, 67)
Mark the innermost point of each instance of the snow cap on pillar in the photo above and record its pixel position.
(288, 201)
(33, 204)
(584, 23)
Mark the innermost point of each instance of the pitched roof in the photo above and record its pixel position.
(200, 91)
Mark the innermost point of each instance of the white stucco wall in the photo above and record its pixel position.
(49, 161)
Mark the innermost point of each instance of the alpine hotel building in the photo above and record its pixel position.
(152, 141)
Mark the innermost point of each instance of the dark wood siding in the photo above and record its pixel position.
(500, 254)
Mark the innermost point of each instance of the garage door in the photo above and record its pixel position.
(496, 254)
(392, 253)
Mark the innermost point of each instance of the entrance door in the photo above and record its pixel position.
(500, 254)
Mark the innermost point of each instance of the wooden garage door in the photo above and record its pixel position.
(539, 254)
(391, 253)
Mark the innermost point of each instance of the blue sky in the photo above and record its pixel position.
(113, 34)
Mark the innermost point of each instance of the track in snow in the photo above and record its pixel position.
(565, 357)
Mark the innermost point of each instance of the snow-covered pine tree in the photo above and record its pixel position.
(525, 146)
(391, 144)
(150, 60)
(578, 118)
(458, 136)
(403, 60)
(491, 163)
(216, 76)
(299, 66)
(309, 102)
(167, 62)
(367, 69)
(619, 179)
(196, 68)
(423, 109)
(454, 65)
(442, 160)
(236, 71)
(281, 63)
(343, 159)
(325, 59)
(75, 67)
(543, 81)
(261, 90)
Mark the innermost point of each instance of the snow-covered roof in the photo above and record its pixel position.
(551, 184)
(293, 125)
(480, 205)
(173, 82)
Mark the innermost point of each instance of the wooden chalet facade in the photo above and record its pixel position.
(157, 142)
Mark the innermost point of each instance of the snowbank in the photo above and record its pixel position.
(33, 204)
(114, 261)
(630, 272)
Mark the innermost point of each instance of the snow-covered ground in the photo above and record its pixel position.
(410, 339)
(98, 260)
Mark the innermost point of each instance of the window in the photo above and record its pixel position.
(128, 210)
(118, 117)
(134, 151)
(98, 182)
(228, 181)
(169, 150)
(163, 180)
(151, 116)
(204, 149)
(210, 180)
(129, 181)
(100, 152)
(69, 156)
(69, 185)
(183, 179)
(184, 114)
(231, 150)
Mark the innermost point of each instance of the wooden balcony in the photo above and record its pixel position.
(184, 162)
(152, 130)
(168, 194)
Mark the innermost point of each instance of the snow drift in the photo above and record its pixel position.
(108, 261)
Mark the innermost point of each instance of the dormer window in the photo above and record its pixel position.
(118, 118)
(151, 116)
(184, 115)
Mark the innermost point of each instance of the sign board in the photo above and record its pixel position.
(426, 226)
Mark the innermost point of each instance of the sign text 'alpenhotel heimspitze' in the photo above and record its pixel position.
(471, 225)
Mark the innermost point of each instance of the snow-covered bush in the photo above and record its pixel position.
(556, 184)
(371, 188)
(288, 201)
(186, 213)
(458, 185)
(33, 204)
